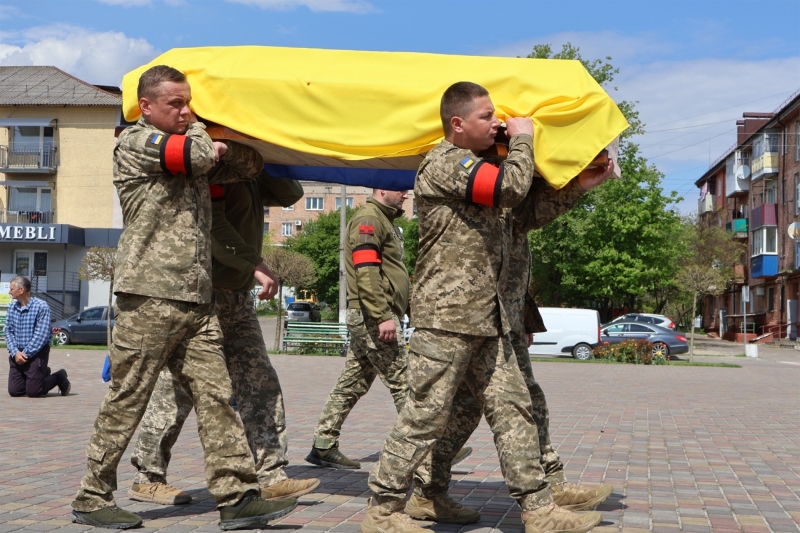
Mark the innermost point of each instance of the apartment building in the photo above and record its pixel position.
(319, 197)
(753, 190)
(57, 198)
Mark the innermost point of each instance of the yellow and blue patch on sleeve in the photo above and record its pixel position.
(467, 162)
(155, 139)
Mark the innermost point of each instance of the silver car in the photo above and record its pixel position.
(303, 312)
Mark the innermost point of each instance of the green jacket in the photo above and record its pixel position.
(162, 181)
(237, 226)
(377, 279)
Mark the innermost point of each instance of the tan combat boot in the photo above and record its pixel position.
(161, 493)
(381, 520)
(440, 508)
(289, 488)
(462, 454)
(554, 519)
(578, 497)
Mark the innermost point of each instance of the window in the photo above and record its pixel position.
(771, 192)
(30, 204)
(266, 210)
(797, 193)
(339, 202)
(765, 241)
(771, 299)
(797, 141)
(266, 228)
(638, 328)
(314, 203)
(286, 229)
(290, 208)
(31, 145)
(92, 314)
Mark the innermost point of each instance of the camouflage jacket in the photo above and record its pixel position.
(377, 279)
(540, 206)
(463, 252)
(237, 226)
(162, 182)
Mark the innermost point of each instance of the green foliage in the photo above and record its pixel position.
(410, 242)
(616, 246)
(637, 352)
(319, 241)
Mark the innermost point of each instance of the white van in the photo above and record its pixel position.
(574, 331)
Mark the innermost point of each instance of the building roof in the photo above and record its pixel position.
(50, 86)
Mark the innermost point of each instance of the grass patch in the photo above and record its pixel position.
(607, 362)
(101, 347)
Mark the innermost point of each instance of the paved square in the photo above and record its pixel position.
(687, 449)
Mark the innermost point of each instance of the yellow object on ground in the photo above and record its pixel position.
(351, 105)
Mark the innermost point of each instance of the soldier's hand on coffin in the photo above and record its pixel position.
(219, 149)
(387, 331)
(519, 125)
(592, 177)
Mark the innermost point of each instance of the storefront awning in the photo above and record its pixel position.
(11, 122)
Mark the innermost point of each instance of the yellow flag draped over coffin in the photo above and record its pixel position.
(381, 107)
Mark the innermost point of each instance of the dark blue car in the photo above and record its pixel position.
(87, 327)
(665, 341)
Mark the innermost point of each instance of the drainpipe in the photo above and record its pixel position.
(64, 283)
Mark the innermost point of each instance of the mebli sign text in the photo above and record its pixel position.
(27, 233)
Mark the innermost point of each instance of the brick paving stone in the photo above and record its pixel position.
(693, 449)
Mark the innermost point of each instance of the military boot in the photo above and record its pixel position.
(252, 510)
(440, 508)
(160, 493)
(578, 497)
(289, 488)
(381, 520)
(332, 458)
(108, 517)
(462, 454)
(554, 519)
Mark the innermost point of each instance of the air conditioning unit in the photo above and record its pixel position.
(298, 222)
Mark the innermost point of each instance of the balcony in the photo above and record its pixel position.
(28, 160)
(765, 154)
(13, 216)
(737, 227)
(762, 266)
(737, 174)
(764, 215)
(706, 204)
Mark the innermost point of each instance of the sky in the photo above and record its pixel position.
(693, 66)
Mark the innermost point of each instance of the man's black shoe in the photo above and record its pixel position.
(108, 517)
(252, 510)
(64, 384)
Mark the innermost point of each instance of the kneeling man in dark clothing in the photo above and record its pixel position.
(28, 334)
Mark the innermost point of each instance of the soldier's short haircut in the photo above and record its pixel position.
(457, 101)
(155, 76)
(23, 282)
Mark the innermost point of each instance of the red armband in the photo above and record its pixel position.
(366, 255)
(176, 154)
(484, 184)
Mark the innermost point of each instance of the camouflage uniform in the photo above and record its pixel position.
(164, 312)
(236, 240)
(541, 205)
(461, 315)
(377, 290)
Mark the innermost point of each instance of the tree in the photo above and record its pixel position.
(291, 268)
(708, 264)
(410, 229)
(98, 265)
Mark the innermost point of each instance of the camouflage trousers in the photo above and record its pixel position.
(151, 333)
(367, 358)
(439, 364)
(255, 387)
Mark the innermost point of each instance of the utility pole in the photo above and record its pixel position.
(342, 272)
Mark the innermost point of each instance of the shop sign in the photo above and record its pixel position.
(27, 233)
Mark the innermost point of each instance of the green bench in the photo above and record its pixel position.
(314, 337)
(3, 324)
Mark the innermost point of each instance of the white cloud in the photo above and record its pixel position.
(349, 6)
(95, 57)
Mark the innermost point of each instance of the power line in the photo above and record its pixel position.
(724, 109)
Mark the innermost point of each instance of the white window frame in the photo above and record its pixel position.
(266, 228)
(771, 192)
(348, 202)
(286, 229)
(315, 203)
(796, 193)
(765, 241)
(797, 141)
(290, 208)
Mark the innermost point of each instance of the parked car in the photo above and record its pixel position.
(645, 318)
(87, 327)
(574, 331)
(665, 340)
(303, 312)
